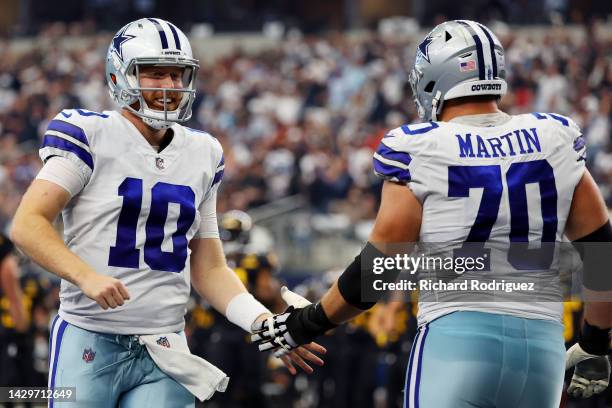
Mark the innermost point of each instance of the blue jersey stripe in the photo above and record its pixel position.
(63, 144)
(68, 129)
(559, 118)
(538, 115)
(177, 40)
(407, 130)
(388, 153)
(579, 143)
(554, 116)
(391, 171)
(162, 33)
(222, 162)
(218, 177)
(492, 47)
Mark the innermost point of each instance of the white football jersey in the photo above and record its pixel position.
(489, 178)
(135, 216)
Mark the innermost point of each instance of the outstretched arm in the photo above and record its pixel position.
(588, 221)
(213, 279)
(398, 222)
(220, 286)
(588, 225)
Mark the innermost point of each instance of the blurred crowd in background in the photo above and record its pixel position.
(303, 117)
(300, 119)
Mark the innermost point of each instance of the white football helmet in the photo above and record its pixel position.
(150, 41)
(457, 59)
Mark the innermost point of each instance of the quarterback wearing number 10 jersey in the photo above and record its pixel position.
(137, 193)
(135, 215)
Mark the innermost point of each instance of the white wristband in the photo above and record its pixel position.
(243, 309)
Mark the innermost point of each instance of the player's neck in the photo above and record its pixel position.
(155, 137)
(452, 110)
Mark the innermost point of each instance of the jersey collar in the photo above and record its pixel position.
(483, 119)
(144, 145)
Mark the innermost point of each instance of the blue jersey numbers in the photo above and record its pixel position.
(463, 178)
(125, 253)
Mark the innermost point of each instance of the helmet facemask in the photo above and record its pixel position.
(161, 119)
(413, 79)
(428, 105)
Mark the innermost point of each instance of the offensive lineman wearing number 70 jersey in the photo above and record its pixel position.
(473, 173)
(137, 191)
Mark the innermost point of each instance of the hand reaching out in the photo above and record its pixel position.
(271, 333)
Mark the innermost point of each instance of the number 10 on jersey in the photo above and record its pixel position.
(125, 254)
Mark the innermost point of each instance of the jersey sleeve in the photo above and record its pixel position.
(399, 153)
(208, 208)
(576, 139)
(573, 145)
(66, 136)
(218, 172)
(209, 227)
(391, 161)
(63, 172)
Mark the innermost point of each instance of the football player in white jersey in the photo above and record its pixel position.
(466, 175)
(137, 192)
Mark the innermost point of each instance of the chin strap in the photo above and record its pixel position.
(434, 106)
(157, 123)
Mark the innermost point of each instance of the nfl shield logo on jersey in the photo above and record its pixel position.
(159, 163)
(163, 341)
(89, 355)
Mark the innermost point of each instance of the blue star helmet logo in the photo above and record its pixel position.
(424, 47)
(119, 40)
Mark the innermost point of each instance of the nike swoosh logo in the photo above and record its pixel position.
(65, 114)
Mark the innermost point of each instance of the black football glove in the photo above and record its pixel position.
(300, 324)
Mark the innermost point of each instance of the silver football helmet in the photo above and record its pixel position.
(150, 41)
(457, 58)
